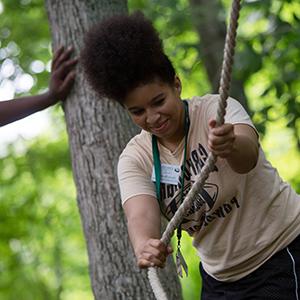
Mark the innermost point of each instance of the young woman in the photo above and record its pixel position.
(245, 221)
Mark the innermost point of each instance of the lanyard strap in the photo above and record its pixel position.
(157, 163)
(180, 262)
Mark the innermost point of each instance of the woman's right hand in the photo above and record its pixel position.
(152, 253)
(143, 223)
(62, 74)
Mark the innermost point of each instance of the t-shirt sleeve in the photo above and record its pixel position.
(235, 112)
(133, 179)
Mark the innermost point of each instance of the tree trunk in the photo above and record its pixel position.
(98, 130)
(211, 28)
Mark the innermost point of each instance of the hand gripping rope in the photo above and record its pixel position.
(209, 165)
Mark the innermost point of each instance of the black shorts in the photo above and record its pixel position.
(277, 279)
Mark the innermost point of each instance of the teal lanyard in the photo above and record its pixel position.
(157, 165)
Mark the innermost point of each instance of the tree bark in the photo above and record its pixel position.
(98, 130)
(211, 28)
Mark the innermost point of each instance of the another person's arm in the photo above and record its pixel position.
(238, 144)
(144, 223)
(61, 81)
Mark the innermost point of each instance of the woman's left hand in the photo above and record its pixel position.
(221, 139)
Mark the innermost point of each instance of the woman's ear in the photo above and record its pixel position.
(177, 84)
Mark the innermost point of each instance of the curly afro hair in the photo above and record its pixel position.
(122, 53)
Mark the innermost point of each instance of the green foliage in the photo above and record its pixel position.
(42, 250)
(270, 33)
(24, 38)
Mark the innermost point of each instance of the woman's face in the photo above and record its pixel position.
(157, 108)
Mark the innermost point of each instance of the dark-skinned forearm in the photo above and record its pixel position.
(244, 155)
(13, 110)
(141, 229)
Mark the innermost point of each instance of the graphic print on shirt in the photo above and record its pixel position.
(202, 211)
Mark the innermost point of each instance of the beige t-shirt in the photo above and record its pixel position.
(238, 221)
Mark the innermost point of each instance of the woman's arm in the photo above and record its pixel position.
(238, 144)
(61, 81)
(144, 224)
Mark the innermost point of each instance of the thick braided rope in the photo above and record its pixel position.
(209, 165)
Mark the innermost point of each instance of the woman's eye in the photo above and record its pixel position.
(137, 112)
(159, 102)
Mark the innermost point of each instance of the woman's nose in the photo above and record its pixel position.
(152, 117)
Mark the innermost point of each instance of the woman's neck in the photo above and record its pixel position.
(173, 141)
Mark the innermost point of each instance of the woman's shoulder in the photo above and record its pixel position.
(208, 100)
(208, 104)
(204, 99)
(202, 102)
(200, 105)
(138, 145)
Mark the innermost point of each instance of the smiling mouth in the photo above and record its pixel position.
(160, 128)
